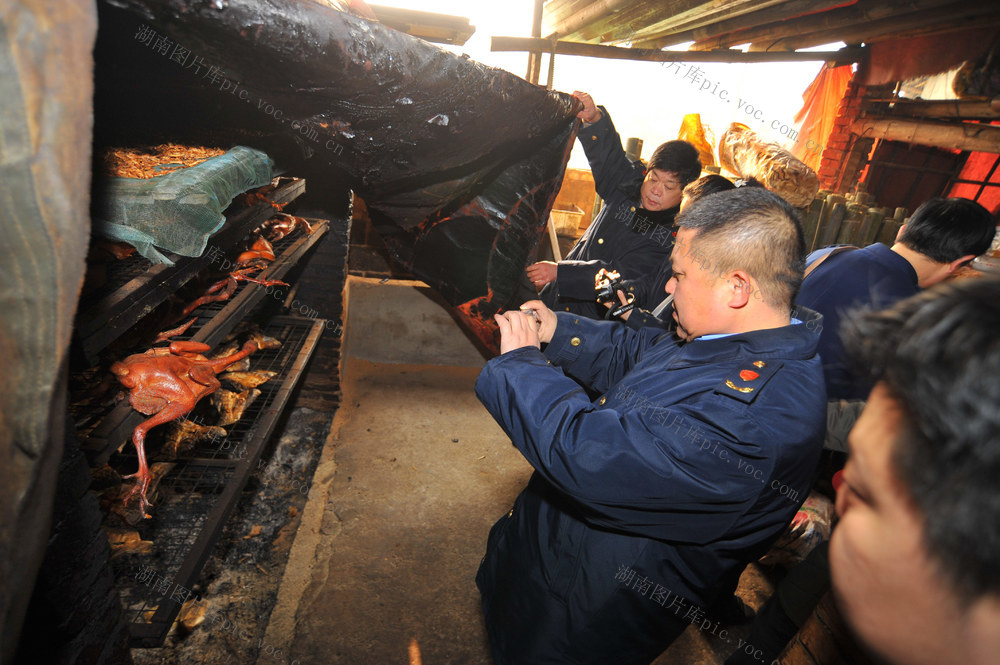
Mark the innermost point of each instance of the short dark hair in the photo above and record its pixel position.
(938, 353)
(705, 185)
(754, 230)
(948, 229)
(678, 157)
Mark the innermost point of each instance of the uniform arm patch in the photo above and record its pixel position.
(746, 381)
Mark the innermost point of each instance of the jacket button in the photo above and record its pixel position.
(632, 208)
(575, 341)
(603, 400)
(593, 137)
(600, 241)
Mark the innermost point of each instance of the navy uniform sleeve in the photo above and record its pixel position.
(596, 353)
(640, 318)
(608, 162)
(634, 257)
(622, 464)
(575, 279)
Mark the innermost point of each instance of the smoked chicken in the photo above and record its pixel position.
(283, 224)
(166, 383)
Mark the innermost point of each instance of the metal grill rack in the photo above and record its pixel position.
(211, 325)
(195, 498)
(214, 322)
(136, 287)
(199, 490)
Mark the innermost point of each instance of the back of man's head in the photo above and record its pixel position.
(678, 157)
(945, 230)
(938, 353)
(754, 230)
(705, 185)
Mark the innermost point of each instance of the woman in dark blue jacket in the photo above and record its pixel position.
(633, 232)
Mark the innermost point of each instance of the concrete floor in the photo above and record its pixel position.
(418, 475)
(411, 478)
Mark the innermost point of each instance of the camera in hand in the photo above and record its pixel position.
(607, 283)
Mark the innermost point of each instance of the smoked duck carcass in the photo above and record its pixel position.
(166, 383)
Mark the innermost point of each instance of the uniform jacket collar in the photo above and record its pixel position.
(794, 342)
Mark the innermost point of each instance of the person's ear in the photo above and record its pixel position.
(959, 262)
(741, 289)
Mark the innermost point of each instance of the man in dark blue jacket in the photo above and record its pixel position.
(941, 236)
(633, 232)
(648, 502)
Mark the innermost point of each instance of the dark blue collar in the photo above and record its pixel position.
(794, 342)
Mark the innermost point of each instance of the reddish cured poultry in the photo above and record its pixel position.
(260, 253)
(166, 383)
(283, 224)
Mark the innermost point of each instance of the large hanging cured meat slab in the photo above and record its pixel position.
(459, 163)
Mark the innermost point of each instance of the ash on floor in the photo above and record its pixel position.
(240, 581)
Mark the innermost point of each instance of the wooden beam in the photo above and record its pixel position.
(707, 14)
(611, 21)
(951, 136)
(956, 108)
(831, 22)
(740, 22)
(843, 56)
(440, 28)
(594, 12)
(956, 16)
(559, 11)
(627, 25)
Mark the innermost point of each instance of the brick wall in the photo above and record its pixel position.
(845, 153)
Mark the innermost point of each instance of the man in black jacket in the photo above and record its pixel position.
(633, 232)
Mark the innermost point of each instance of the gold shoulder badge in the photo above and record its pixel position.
(746, 381)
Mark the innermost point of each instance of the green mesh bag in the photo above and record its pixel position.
(178, 212)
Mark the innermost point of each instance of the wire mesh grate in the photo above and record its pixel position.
(196, 494)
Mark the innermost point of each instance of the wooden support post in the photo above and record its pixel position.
(954, 136)
(554, 240)
(535, 57)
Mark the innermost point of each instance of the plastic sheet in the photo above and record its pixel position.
(694, 133)
(455, 160)
(820, 102)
